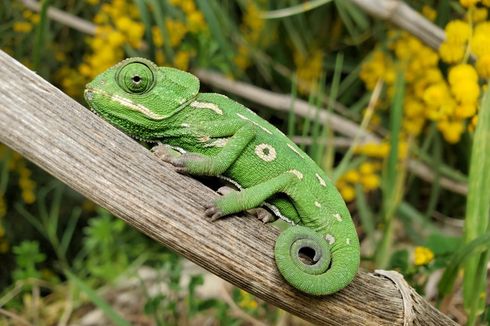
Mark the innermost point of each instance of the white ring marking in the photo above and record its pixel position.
(266, 152)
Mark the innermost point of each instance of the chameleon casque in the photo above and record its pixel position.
(216, 136)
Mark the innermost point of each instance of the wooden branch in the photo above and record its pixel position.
(283, 102)
(403, 16)
(94, 158)
(63, 17)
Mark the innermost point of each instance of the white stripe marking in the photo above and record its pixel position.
(127, 103)
(207, 105)
(255, 123)
(298, 174)
(295, 150)
(320, 179)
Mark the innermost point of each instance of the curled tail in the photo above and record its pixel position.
(330, 267)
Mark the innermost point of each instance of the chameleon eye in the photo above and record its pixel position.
(136, 77)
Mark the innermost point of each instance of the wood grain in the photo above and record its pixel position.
(92, 157)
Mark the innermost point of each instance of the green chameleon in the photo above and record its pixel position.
(210, 134)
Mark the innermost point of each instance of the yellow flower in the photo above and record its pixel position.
(480, 42)
(29, 197)
(436, 94)
(462, 72)
(157, 36)
(472, 124)
(348, 193)
(468, 3)
(451, 52)
(196, 22)
(177, 31)
(451, 130)
(466, 92)
(22, 27)
(181, 60)
(457, 31)
(370, 182)
(422, 256)
(367, 168)
(351, 176)
(464, 111)
(478, 14)
(247, 301)
(115, 39)
(483, 66)
(429, 12)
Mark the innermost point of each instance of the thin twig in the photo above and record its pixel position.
(405, 17)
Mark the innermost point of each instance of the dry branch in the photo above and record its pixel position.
(402, 15)
(92, 157)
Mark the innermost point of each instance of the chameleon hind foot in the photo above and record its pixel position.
(213, 212)
(260, 213)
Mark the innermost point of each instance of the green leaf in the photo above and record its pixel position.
(478, 211)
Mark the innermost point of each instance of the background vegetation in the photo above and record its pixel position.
(63, 258)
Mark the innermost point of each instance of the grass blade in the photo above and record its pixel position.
(294, 10)
(97, 300)
(477, 210)
(393, 174)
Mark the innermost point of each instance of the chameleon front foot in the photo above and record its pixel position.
(182, 162)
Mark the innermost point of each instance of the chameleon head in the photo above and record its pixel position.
(135, 95)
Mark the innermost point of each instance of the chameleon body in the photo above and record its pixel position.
(220, 137)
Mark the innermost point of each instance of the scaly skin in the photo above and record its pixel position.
(223, 138)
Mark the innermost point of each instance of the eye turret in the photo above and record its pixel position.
(135, 78)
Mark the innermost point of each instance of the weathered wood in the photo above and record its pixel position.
(92, 157)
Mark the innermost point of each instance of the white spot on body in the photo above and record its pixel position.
(204, 139)
(127, 103)
(330, 239)
(241, 116)
(207, 105)
(298, 174)
(320, 179)
(338, 217)
(266, 152)
(347, 241)
(220, 142)
(185, 125)
(296, 151)
(317, 204)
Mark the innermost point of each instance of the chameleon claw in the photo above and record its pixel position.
(213, 212)
(262, 214)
